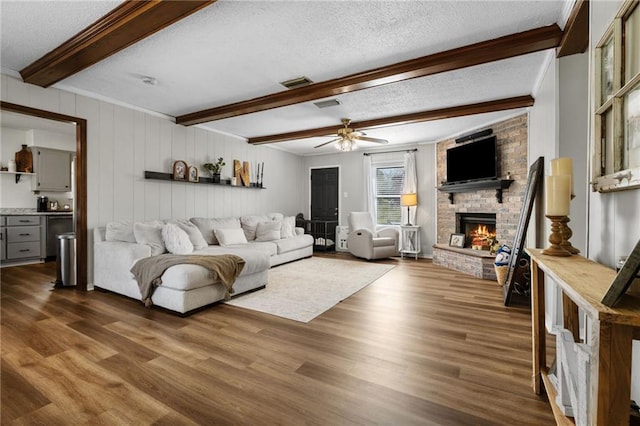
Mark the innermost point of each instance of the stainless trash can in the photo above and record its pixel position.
(66, 263)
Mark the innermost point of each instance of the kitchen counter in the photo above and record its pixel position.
(28, 212)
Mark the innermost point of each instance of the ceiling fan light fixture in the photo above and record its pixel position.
(346, 145)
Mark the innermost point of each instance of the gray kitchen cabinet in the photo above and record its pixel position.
(52, 168)
(3, 239)
(23, 237)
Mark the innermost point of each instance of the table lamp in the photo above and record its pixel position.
(409, 200)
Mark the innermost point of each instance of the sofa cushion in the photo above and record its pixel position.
(121, 230)
(275, 216)
(288, 227)
(290, 244)
(227, 237)
(176, 239)
(256, 259)
(250, 223)
(268, 231)
(193, 232)
(186, 277)
(150, 234)
(206, 226)
(265, 247)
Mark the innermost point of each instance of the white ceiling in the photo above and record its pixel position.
(238, 50)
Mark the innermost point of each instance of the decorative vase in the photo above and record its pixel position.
(24, 160)
(215, 178)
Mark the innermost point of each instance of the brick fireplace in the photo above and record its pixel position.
(482, 204)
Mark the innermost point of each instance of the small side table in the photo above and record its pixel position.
(410, 237)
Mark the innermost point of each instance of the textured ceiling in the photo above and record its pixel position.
(238, 50)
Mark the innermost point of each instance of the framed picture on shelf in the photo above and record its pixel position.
(179, 170)
(456, 240)
(193, 175)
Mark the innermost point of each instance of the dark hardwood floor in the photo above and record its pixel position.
(422, 345)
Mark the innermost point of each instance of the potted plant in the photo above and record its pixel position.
(214, 169)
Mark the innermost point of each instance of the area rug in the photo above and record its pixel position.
(304, 289)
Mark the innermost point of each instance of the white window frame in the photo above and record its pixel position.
(374, 170)
(609, 172)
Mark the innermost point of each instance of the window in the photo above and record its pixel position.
(617, 116)
(388, 187)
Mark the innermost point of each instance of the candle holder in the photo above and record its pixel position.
(566, 236)
(555, 238)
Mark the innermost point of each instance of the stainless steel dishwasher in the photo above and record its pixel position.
(57, 224)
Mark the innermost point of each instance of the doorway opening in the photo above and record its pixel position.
(80, 180)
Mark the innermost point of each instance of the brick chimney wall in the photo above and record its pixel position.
(511, 138)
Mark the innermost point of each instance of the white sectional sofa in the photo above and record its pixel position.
(269, 240)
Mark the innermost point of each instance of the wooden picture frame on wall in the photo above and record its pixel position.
(193, 175)
(179, 170)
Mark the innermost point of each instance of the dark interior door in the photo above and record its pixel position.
(324, 194)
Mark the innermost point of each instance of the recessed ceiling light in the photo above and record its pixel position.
(149, 80)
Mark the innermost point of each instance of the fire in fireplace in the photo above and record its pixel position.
(479, 229)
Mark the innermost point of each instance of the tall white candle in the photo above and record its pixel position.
(557, 195)
(563, 166)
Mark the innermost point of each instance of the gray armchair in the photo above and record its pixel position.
(364, 241)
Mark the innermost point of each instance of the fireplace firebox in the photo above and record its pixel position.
(479, 229)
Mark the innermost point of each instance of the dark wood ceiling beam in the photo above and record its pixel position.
(475, 54)
(125, 25)
(417, 117)
(575, 38)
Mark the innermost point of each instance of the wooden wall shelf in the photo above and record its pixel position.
(203, 180)
(497, 184)
(18, 174)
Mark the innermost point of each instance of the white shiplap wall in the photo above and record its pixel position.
(122, 143)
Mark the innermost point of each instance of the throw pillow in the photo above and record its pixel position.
(207, 226)
(227, 237)
(194, 234)
(249, 224)
(176, 239)
(268, 231)
(150, 234)
(120, 231)
(288, 227)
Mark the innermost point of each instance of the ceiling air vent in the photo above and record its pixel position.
(328, 103)
(296, 82)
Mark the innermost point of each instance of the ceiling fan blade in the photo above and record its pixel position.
(327, 143)
(368, 139)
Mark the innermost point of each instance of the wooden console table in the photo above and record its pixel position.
(584, 283)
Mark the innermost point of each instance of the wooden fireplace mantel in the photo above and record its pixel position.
(497, 184)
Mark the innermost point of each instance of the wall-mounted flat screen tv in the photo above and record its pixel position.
(472, 161)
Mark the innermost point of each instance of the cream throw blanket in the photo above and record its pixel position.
(224, 268)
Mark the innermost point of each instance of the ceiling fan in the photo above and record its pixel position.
(347, 137)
